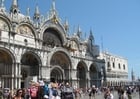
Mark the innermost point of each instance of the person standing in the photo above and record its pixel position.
(92, 92)
(18, 94)
(123, 95)
(34, 92)
(108, 94)
(68, 92)
(129, 92)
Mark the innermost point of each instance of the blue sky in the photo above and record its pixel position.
(117, 22)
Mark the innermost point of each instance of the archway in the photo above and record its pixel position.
(6, 68)
(61, 60)
(56, 75)
(29, 68)
(52, 38)
(81, 75)
(93, 75)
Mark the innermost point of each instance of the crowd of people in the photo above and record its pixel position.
(54, 90)
(40, 90)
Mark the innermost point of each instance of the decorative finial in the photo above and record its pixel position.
(37, 13)
(15, 3)
(14, 8)
(53, 13)
(66, 25)
(28, 12)
(53, 8)
(2, 3)
(79, 32)
(91, 37)
(2, 7)
(53, 5)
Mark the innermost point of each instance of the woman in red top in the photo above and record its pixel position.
(34, 92)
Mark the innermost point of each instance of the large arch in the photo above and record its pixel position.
(30, 67)
(6, 67)
(93, 74)
(57, 29)
(61, 60)
(52, 38)
(5, 23)
(27, 29)
(81, 74)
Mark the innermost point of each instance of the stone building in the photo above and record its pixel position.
(41, 48)
(116, 69)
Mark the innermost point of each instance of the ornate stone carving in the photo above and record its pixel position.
(3, 25)
(24, 29)
(52, 40)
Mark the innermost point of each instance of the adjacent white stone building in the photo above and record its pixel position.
(116, 69)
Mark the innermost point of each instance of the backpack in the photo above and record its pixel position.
(54, 92)
(46, 90)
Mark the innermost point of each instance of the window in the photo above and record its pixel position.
(108, 64)
(113, 65)
(124, 66)
(119, 66)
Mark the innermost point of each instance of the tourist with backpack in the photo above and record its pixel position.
(68, 92)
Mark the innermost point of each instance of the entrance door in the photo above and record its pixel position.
(56, 75)
(29, 68)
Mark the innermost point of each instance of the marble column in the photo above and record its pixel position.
(17, 75)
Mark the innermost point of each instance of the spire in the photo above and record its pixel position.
(66, 25)
(79, 31)
(53, 5)
(2, 3)
(53, 13)
(15, 3)
(37, 13)
(28, 12)
(36, 16)
(132, 75)
(2, 7)
(53, 10)
(91, 37)
(14, 7)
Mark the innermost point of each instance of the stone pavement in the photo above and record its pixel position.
(101, 96)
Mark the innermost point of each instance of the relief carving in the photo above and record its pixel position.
(24, 29)
(3, 25)
(51, 40)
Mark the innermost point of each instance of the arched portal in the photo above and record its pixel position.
(29, 67)
(57, 74)
(81, 74)
(52, 38)
(6, 70)
(61, 60)
(93, 75)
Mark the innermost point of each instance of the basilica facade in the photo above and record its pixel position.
(41, 48)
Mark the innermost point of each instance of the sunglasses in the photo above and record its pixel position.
(20, 92)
